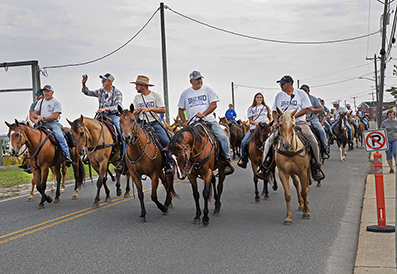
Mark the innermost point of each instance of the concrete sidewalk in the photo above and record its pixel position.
(376, 251)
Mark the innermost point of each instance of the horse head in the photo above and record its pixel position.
(128, 124)
(286, 129)
(16, 136)
(264, 130)
(80, 135)
(224, 120)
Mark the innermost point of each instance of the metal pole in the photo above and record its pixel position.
(35, 78)
(1, 153)
(376, 87)
(234, 106)
(164, 57)
(354, 99)
(382, 63)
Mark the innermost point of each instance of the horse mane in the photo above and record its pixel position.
(197, 132)
(75, 125)
(258, 131)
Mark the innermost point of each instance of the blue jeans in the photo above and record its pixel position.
(391, 152)
(323, 137)
(160, 132)
(245, 140)
(116, 122)
(57, 129)
(222, 137)
(328, 126)
(347, 124)
(355, 125)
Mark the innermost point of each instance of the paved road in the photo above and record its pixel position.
(248, 237)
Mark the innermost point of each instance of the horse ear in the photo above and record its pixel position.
(8, 125)
(294, 112)
(279, 112)
(120, 109)
(16, 123)
(70, 123)
(81, 118)
(132, 108)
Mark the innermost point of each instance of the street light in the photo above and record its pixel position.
(361, 77)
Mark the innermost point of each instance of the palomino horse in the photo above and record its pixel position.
(94, 140)
(195, 151)
(359, 135)
(255, 151)
(292, 159)
(236, 136)
(144, 157)
(43, 156)
(342, 135)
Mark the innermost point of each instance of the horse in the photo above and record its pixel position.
(245, 125)
(349, 118)
(292, 160)
(44, 155)
(144, 157)
(255, 152)
(236, 136)
(360, 130)
(177, 125)
(225, 128)
(342, 135)
(94, 141)
(195, 152)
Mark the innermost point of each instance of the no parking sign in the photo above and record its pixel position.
(375, 140)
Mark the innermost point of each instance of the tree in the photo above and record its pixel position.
(393, 90)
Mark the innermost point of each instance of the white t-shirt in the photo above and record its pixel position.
(351, 111)
(258, 114)
(338, 111)
(195, 101)
(300, 100)
(48, 107)
(153, 100)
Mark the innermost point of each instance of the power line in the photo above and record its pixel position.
(336, 72)
(271, 40)
(107, 55)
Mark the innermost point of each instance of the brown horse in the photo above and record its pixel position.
(94, 140)
(349, 118)
(43, 155)
(246, 126)
(194, 150)
(255, 152)
(177, 125)
(292, 160)
(360, 130)
(342, 136)
(235, 137)
(144, 157)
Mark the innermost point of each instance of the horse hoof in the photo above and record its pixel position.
(266, 198)
(52, 190)
(48, 199)
(306, 216)
(108, 200)
(257, 199)
(263, 193)
(206, 223)
(300, 208)
(287, 222)
(119, 192)
(196, 221)
(95, 205)
(142, 219)
(216, 212)
(319, 184)
(41, 206)
(75, 197)
(62, 190)
(165, 211)
(57, 200)
(127, 195)
(30, 199)
(170, 205)
(275, 187)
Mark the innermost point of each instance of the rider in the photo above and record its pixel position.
(290, 98)
(109, 97)
(200, 101)
(353, 114)
(148, 105)
(258, 112)
(338, 110)
(231, 114)
(360, 114)
(313, 117)
(47, 111)
(325, 116)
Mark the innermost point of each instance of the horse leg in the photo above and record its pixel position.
(206, 196)
(275, 187)
(155, 183)
(217, 193)
(168, 182)
(296, 185)
(342, 156)
(196, 196)
(98, 186)
(64, 172)
(108, 199)
(58, 178)
(127, 186)
(41, 181)
(53, 178)
(118, 185)
(257, 198)
(31, 199)
(138, 184)
(304, 182)
(287, 195)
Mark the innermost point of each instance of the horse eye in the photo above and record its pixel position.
(16, 134)
(81, 134)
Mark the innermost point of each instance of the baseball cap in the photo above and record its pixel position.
(335, 103)
(285, 79)
(348, 105)
(39, 92)
(48, 87)
(195, 75)
(305, 87)
(107, 76)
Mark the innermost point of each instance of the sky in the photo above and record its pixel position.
(71, 32)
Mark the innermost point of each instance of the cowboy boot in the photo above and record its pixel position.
(244, 159)
(24, 164)
(317, 173)
(227, 167)
(121, 167)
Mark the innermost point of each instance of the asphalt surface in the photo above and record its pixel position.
(248, 236)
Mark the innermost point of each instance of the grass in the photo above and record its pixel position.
(13, 177)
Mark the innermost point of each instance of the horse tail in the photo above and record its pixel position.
(172, 190)
(81, 173)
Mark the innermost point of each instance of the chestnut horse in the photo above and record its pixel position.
(292, 160)
(342, 136)
(94, 140)
(144, 157)
(359, 135)
(255, 152)
(195, 152)
(236, 135)
(44, 155)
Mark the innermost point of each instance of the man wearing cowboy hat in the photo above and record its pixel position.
(148, 105)
(200, 101)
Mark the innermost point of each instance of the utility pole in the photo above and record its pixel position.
(382, 65)
(354, 99)
(372, 93)
(234, 106)
(164, 57)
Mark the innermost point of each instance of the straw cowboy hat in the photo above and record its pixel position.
(143, 80)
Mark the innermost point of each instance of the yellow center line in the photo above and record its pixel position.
(69, 217)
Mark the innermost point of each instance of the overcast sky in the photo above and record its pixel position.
(67, 32)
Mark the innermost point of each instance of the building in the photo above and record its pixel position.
(369, 107)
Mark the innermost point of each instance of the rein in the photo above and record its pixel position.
(292, 153)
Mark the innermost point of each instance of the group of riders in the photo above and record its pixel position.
(199, 102)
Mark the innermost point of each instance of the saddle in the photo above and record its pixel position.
(150, 130)
(108, 122)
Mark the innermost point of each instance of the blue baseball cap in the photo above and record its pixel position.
(285, 79)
